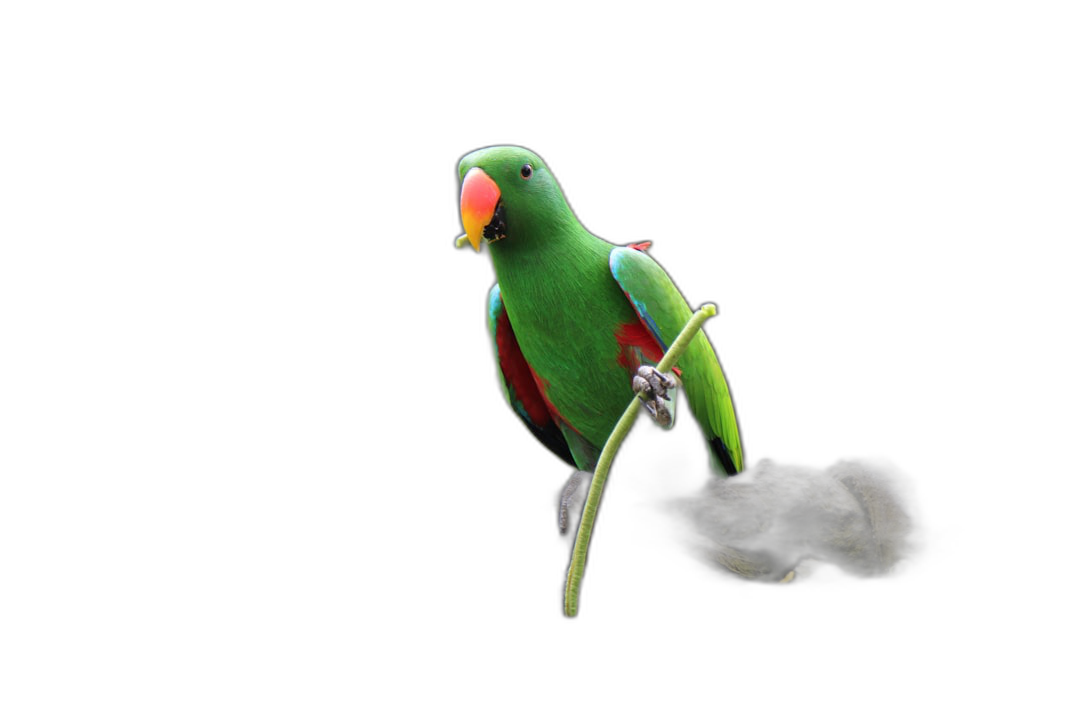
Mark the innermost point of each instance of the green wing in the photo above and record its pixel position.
(663, 311)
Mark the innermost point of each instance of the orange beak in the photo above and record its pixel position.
(479, 196)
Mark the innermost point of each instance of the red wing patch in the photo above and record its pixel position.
(518, 374)
(637, 344)
(642, 246)
(634, 335)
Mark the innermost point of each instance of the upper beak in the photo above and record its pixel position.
(479, 197)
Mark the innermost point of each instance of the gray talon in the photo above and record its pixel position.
(568, 496)
(654, 385)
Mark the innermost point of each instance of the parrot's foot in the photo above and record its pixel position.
(568, 497)
(654, 386)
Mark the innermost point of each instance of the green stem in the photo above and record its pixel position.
(596, 489)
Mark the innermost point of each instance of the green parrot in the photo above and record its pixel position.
(578, 322)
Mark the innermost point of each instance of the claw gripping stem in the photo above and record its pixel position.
(596, 489)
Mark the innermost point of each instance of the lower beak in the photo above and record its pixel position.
(479, 197)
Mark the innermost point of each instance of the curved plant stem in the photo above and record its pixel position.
(596, 489)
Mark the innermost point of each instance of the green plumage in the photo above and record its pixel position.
(649, 287)
(584, 314)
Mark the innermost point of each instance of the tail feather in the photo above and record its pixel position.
(722, 456)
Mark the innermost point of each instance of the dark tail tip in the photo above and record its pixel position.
(722, 454)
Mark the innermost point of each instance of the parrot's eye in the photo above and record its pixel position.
(526, 171)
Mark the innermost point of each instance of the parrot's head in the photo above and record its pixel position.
(506, 190)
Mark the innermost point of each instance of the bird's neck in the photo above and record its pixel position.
(550, 267)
